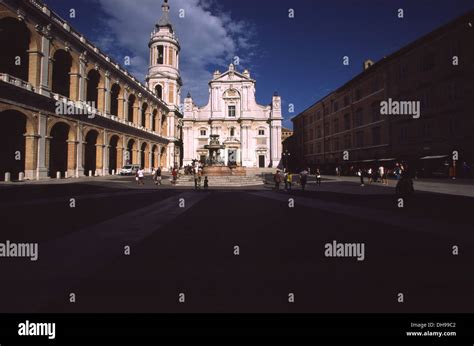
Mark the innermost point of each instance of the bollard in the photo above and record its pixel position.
(21, 176)
(7, 177)
(65, 175)
(58, 175)
(96, 173)
(113, 171)
(90, 173)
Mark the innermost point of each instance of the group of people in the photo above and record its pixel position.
(381, 173)
(286, 177)
(197, 172)
(140, 176)
(374, 175)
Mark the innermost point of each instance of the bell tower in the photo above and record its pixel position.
(163, 72)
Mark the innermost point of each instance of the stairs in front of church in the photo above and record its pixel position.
(222, 181)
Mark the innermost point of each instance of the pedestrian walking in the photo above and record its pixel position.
(157, 176)
(277, 180)
(383, 174)
(141, 176)
(360, 173)
(289, 180)
(303, 179)
(318, 177)
(206, 183)
(175, 175)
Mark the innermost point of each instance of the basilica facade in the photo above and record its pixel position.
(250, 133)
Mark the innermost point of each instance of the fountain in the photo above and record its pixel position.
(215, 165)
(214, 148)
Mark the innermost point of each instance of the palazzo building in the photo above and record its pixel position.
(251, 133)
(67, 108)
(347, 127)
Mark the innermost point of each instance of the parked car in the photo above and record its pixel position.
(129, 169)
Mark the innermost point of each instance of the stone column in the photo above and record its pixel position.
(31, 155)
(137, 157)
(274, 145)
(171, 127)
(34, 68)
(48, 152)
(136, 112)
(101, 99)
(120, 161)
(42, 164)
(148, 119)
(149, 159)
(107, 93)
(239, 157)
(74, 88)
(99, 158)
(170, 155)
(105, 155)
(80, 152)
(71, 157)
(244, 142)
(45, 86)
(82, 72)
(121, 109)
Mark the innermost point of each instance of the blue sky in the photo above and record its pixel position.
(299, 57)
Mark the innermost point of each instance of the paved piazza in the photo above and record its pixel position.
(120, 247)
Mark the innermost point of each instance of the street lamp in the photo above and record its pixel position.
(286, 155)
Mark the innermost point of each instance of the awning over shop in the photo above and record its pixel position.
(433, 157)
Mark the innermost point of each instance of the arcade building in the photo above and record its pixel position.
(46, 62)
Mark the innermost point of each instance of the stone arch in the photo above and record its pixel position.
(18, 144)
(114, 142)
(16, 40)
(91, 151)
(154, 156)
(132, 99)
(94, 80)
(130, 155)
(154, 117)
(60, 72)
(60, 159)
(144, 156)
(143, 120)
(231, 93)
(164, 125)
(115, 92)
(53, 121)
(159, 91)
(163, 157)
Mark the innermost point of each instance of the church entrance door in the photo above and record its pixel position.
(261, 161)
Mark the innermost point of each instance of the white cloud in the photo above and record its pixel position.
(206, 38)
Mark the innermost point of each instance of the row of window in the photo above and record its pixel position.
(428, 61)
(358, 120)
(203, 132)
(335, 105)
(335, 143)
